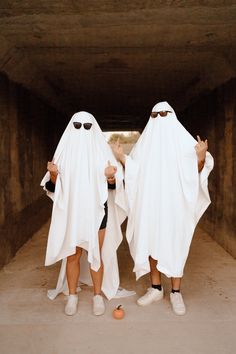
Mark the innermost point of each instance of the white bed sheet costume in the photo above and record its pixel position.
(78, 205)
(166, 194)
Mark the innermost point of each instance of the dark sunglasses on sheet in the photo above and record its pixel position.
(162, 114)
(86, 126)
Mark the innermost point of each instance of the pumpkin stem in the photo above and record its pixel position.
(118, 307)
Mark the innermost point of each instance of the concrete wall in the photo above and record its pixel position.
(28, 130)
(213, 116)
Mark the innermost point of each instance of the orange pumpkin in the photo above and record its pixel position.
(118, 313)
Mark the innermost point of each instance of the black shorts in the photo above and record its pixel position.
(104, 220)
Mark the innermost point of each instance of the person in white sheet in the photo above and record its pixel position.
(78, 178)
(166, 181)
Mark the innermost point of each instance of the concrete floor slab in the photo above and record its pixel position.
(31, 323)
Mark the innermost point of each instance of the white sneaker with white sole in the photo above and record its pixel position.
(98, 305)
(71, 305)
(151, 295)
(177, 303)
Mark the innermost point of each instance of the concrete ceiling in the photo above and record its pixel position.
(116, 59)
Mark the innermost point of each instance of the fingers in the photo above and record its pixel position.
(51, 162)
(198, 139)
(109, 165)
(114, 170)
(201, 142)
(51, 167)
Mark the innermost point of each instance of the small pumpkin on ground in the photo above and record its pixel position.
(118, 313)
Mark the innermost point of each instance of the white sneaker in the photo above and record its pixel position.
(150, 296)
(71, 305)
(121, 293)
(177, 303)
(98, 305)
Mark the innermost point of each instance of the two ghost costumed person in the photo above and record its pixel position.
(82, 167)
(166, 181)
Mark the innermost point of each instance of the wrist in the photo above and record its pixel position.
(111, 180)
(53, 173)
(201, 164)
(53, 176)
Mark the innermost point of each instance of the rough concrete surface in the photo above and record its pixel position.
(213, 117)
(79, 52)
(28, 139)
(31, 323)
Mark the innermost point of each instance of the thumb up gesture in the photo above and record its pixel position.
(110, 170)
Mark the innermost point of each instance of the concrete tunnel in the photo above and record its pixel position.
(115, 59)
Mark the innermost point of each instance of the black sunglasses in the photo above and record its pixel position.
(162, 114)
(86, 126)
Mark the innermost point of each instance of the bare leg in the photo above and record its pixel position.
(155, 275)
(175, 282)
(72, 270)
(98, 276)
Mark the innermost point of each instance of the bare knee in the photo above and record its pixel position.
(76, 256)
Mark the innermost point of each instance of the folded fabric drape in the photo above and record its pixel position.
(166, 194)
(78, 203)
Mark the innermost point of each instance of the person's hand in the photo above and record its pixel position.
(110, 171)
(201, 149)
(52, 168)
(118, 151)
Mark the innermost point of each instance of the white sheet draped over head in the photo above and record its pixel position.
(166, 194)
(80, 193)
